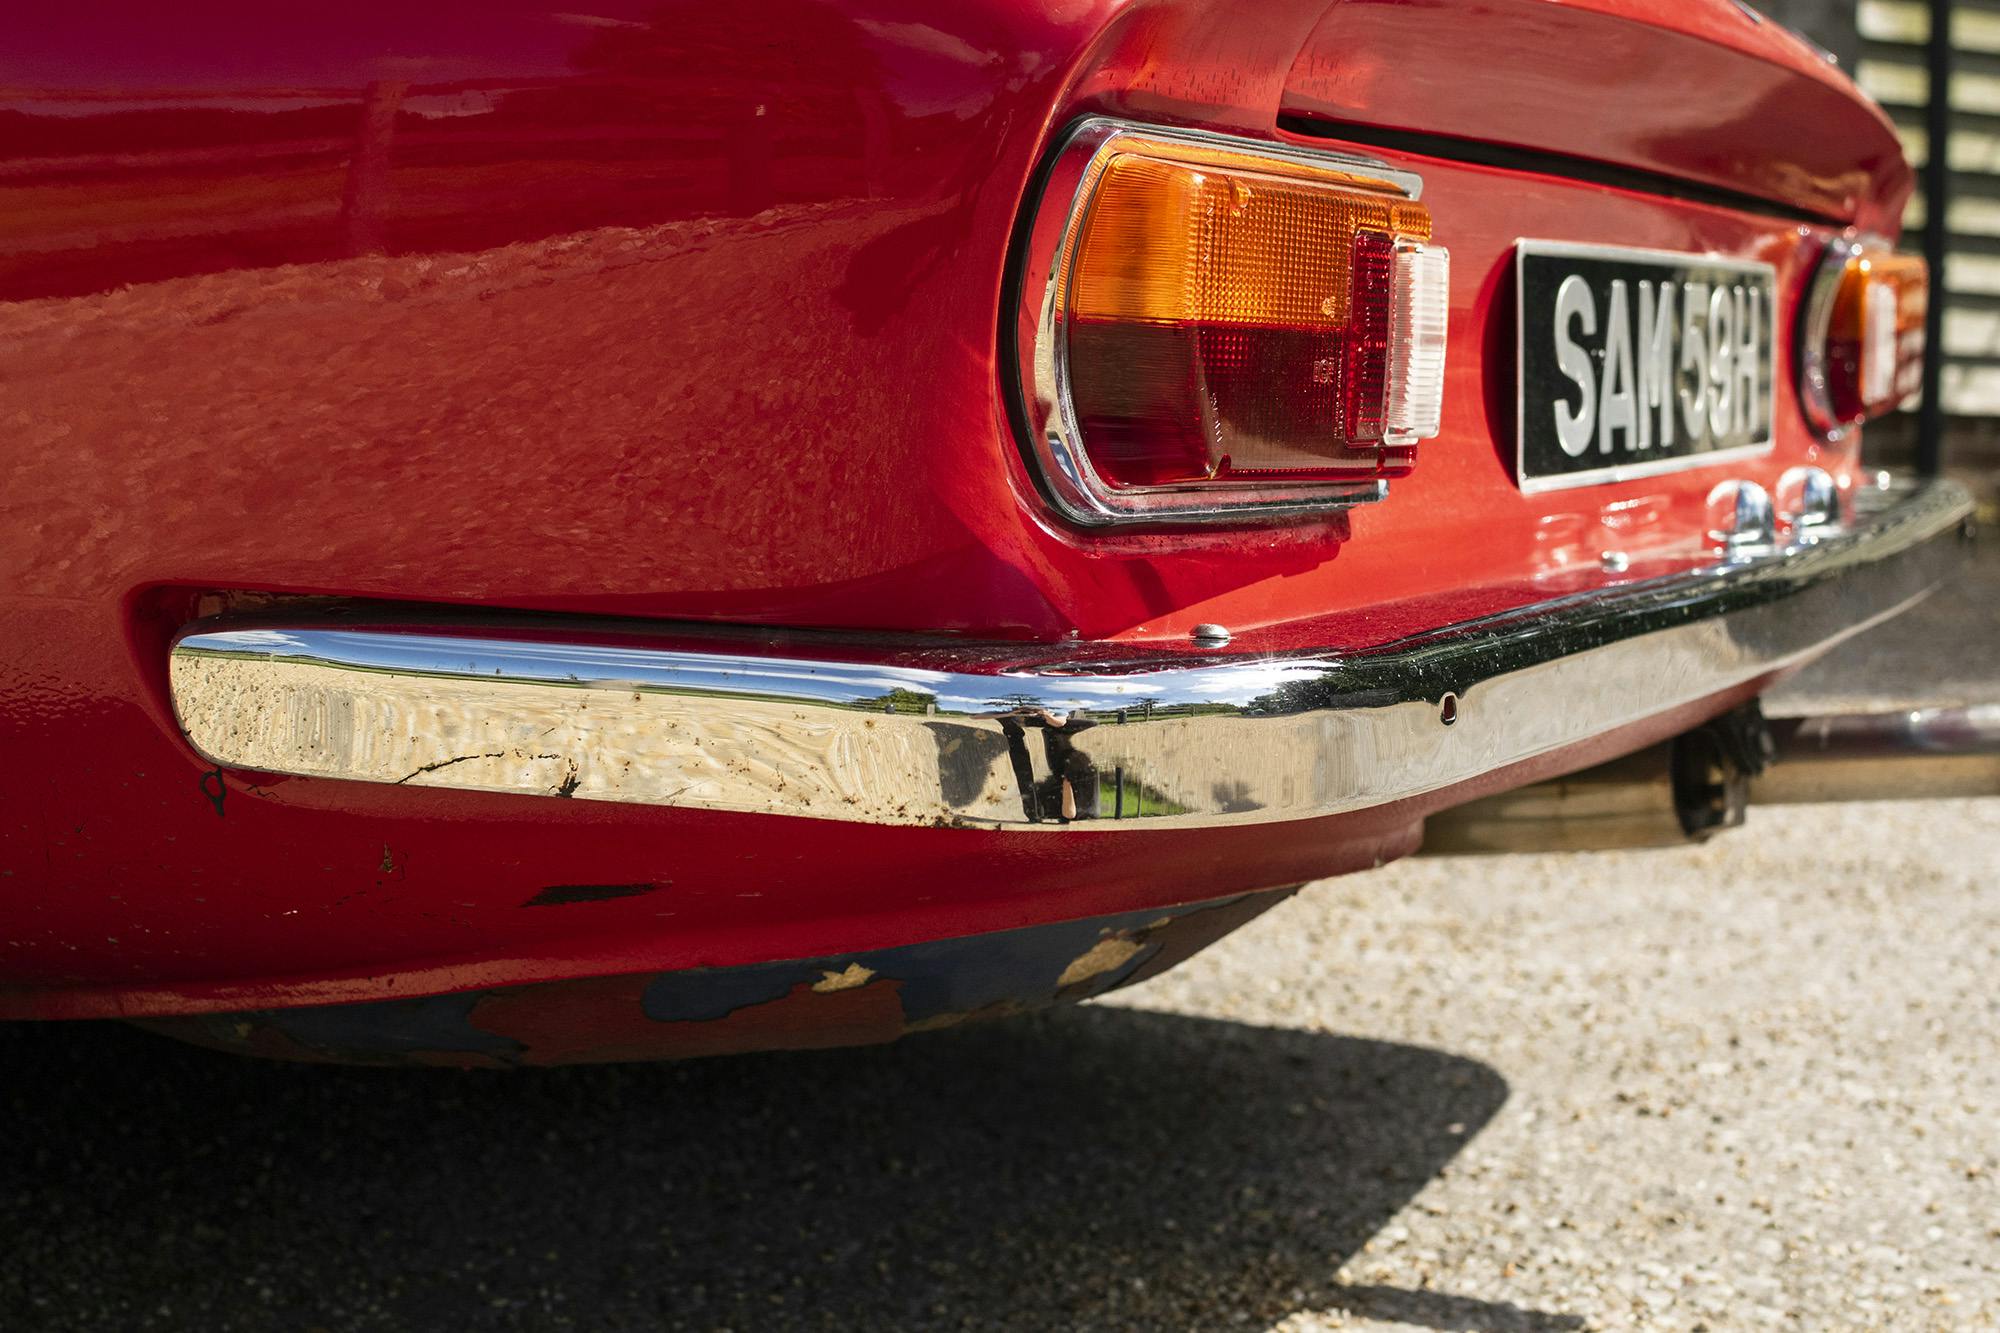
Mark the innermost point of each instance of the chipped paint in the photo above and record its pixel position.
(841, 1000)
(1107, 955)
(214, 790)
(854, 974)
(561, 895)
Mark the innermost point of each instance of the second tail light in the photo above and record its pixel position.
(1861, 347)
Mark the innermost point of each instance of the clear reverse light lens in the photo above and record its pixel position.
(1418, 312)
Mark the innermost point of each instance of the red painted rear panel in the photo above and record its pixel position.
(684, 312)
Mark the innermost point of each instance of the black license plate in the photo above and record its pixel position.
(1634, 362)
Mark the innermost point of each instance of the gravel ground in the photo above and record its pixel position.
(1746, 1084)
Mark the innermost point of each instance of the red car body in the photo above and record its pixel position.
(692, 317)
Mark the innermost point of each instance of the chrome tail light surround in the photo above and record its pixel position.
(1037, 343)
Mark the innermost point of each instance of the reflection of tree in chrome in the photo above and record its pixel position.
(899, 700)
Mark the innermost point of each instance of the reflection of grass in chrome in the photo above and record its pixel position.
(1133, 799)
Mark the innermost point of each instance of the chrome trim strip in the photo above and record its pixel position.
(1025, 743)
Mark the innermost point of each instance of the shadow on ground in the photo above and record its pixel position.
(1098, 1167)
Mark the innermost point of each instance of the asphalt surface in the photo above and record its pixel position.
(1750, 1084)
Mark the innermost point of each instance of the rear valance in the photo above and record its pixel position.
(1695, 91)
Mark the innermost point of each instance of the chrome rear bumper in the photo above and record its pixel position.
(1045, 746)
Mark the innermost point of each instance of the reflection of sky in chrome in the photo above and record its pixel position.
(779, 678)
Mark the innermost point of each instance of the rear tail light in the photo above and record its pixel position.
(1862, 344)
(1211, 326)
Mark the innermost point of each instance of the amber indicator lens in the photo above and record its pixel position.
(1230, 318)
(1865, 352)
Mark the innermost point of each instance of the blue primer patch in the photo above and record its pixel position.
(935, 978)
(963, 975)
(429, 1023)
(709, 993)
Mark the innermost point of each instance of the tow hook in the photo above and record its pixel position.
(1711, 767)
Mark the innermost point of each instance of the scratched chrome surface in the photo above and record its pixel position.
(1222, 741)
